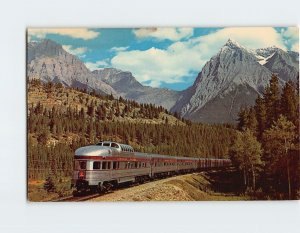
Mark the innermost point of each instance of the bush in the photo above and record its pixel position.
(49, 185)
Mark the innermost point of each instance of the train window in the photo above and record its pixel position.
(106, 144)
(79, 165)
(104, 165)
(114, 165)
(136, 164)
(108, 165)
(82, 164)
(99, 144)
(96, 165)
(115, 145)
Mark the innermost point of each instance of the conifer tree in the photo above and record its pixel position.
(272, 100)
(243, 118)
(261, 116)
(290, 102)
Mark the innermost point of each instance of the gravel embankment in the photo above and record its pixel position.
(178, 188)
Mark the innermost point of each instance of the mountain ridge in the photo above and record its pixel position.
(232, 71)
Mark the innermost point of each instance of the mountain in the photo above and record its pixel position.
(49, 62)
(125, 84)
(283, 64)
(233, 78)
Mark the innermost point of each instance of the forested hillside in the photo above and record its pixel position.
(62, 119)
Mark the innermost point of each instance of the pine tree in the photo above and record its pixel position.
(99, 113)
(290, 102)
(43, 137)
(272, 101)
(261, 116)
(91, 110)
(252, 121)
(243, 118)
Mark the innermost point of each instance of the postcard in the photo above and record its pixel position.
(162, 114)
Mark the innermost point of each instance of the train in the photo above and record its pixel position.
(107, 164)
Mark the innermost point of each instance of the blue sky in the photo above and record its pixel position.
(161, 57)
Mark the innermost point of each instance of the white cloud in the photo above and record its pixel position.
(295, 47)
(118, 49)
(291, 38)
(173, 34)
(78, 33)
(80, 51)
(97, 65)
(157, 65)
(250, 37)
(182, 58)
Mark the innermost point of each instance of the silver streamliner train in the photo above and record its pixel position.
(107, 164)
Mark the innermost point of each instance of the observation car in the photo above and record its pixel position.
(107, 164)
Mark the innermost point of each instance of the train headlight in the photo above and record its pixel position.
(81, 174)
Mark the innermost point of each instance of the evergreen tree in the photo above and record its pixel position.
(252, 121)
(272, 100)
(91, 110)
(43, 137)
(261, 116)
(290, 102)
(243, 118)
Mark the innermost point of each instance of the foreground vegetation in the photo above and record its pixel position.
(266, 150)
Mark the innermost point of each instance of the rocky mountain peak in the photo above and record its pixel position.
(45, 48)
(232, 44)
(231, 79)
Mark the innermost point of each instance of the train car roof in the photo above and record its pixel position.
(94, 151)
(119, 144)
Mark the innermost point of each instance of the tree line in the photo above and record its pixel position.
(266, 149)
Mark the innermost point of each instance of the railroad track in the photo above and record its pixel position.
(77, 199)
(94, 195)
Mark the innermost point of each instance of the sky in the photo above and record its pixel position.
(161, 57)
